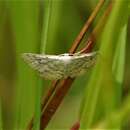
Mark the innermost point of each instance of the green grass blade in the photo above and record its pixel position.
(1, 28)
(25, 25)
(50, 26)
(44, 40)
(119, 62)
(120, 116)
(46, 20)
(118, 73)
(101, 89)
(7, 67)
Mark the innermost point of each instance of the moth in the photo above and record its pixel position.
(61, 66)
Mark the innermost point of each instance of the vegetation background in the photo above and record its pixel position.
(100, 98)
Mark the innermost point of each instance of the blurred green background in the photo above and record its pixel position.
(23, 25)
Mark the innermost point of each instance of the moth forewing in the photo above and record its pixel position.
(48, 66)
(80, 63)
(60, 66)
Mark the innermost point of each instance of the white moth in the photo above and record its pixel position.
(60, 66)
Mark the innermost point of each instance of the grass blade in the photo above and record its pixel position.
(100, 84)
(25, 25)
(120, 116)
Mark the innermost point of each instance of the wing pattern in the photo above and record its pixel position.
(80, 64)
(49, 67)
(60, 66)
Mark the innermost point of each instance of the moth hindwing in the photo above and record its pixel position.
(60, 66)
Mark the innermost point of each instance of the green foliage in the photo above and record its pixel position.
(50, 26)
(103, 93)
(117, 117)
(25, 26)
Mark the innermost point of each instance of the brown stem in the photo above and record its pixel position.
(86, 26)
(89, 45)
(97, 30)
(45, 100)
(72, 50)
(49, 94)
(76, 126)
(53, 104)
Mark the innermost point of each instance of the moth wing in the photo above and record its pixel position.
(48, 66)
(80, 63)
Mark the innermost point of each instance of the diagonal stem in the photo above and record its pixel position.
(97, 30)
(50, 109)
(80, 36)
(89, 46)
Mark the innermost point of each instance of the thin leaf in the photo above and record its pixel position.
(46, 21)
(119, 61)
(25, 25)
(102, 81)
(117, 117)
